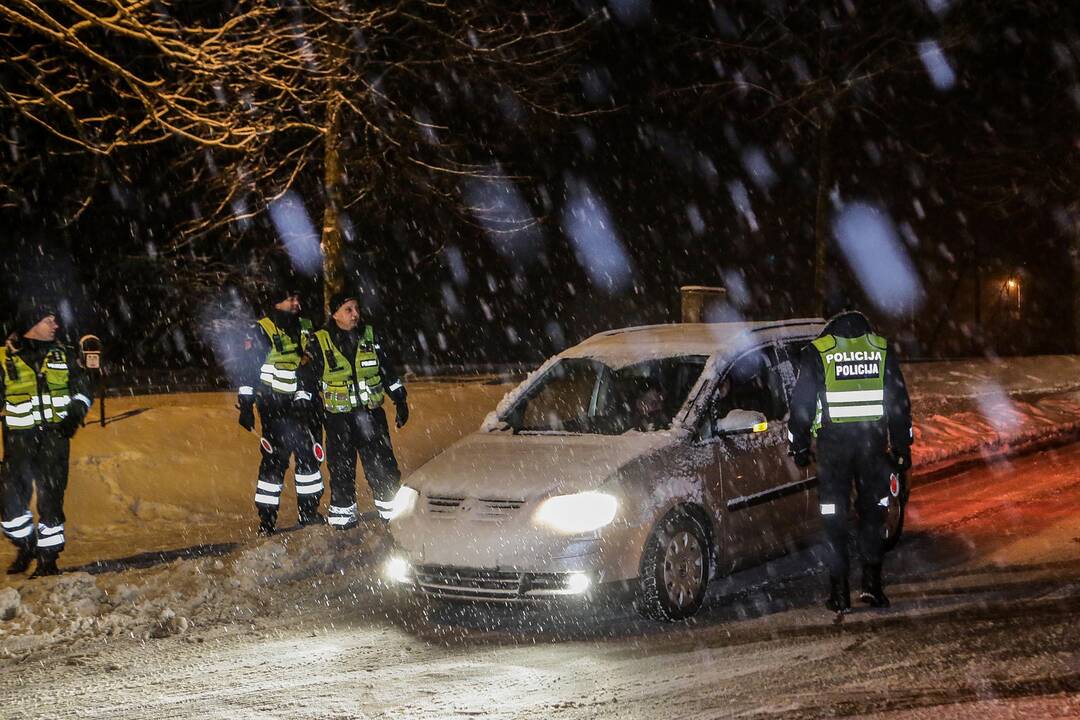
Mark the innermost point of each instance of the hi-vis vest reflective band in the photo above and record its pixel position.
(33, 398)
(854, 378)
(278, 372)
(343, 388)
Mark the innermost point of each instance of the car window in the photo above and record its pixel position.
(585, 396)
(754, 382)
(564, 398)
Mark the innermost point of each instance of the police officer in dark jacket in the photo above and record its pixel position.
(851, 395)
(274, 383)
(354, 376)
(45, 395)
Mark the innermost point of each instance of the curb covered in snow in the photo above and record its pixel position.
(999, 427)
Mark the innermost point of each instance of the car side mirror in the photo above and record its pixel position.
(740, 422)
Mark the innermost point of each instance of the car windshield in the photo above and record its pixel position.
(578, 395)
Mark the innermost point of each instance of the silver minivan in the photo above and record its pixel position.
(652, 458)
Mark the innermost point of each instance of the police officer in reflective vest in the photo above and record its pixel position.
(354, 377)
(287, 411)
(851, 394)
(45, 396)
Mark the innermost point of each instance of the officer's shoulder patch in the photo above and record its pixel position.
(878, 341)
(824, 343)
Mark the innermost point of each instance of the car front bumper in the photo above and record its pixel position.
(459, 583)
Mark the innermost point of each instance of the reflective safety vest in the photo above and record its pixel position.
(35, 397)
(854, 379)
(347, 386)
(278, 372)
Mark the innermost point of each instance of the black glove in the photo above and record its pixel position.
(71, 424)
(402, 413)
(902, 458)
(247, 413)
(803, 457)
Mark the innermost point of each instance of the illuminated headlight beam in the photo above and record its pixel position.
(398, 570)
(578, 513)
(403, 503)
(578, 583)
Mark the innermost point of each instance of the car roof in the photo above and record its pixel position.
(627, 346)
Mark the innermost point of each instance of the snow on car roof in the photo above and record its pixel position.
(626, 346)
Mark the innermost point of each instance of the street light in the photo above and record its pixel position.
(1013, 284)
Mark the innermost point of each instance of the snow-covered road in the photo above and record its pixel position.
(986, 592)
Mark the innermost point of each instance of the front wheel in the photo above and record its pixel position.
(674, 569)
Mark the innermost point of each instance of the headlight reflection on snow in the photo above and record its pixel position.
(582, 512)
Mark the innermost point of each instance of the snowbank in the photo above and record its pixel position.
(270, 577)
(973, 409)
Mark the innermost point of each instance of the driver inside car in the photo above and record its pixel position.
(649, 412)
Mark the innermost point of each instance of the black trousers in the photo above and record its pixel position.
(365, 433)
(287, 433)
(35, 459)
(853, 454)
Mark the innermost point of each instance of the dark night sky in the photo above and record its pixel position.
(978, 173)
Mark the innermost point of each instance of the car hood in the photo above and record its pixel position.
(523, 467)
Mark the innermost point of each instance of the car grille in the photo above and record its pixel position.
(443, 504)
(481, 509)
(472, 584)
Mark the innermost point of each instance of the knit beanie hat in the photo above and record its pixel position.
(340, 298)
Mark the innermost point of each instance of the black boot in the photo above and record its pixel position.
(839, 595)
(46, 567)
(267, 521)
(21, 562)
(872, 593)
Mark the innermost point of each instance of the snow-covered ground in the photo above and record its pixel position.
(982, 408)
(161, 524)
(985, 591)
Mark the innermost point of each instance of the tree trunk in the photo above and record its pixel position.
(332, 248)
(1074, 256)
(821, 215)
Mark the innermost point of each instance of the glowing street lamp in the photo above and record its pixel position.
(1013, 285)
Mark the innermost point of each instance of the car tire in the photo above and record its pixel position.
(674, 569)
(894, 518)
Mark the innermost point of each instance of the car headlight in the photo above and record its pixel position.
(403, 503)
(578, 513)
(398, 570)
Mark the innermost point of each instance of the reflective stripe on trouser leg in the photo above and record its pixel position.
(380, 465)
(20, 528)
(275, 461)
(341, 460)
(342, 515)
(835, 465)
(268, 494)
(50, 537)
(309, 484)
(384, 501)
(385, 508)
